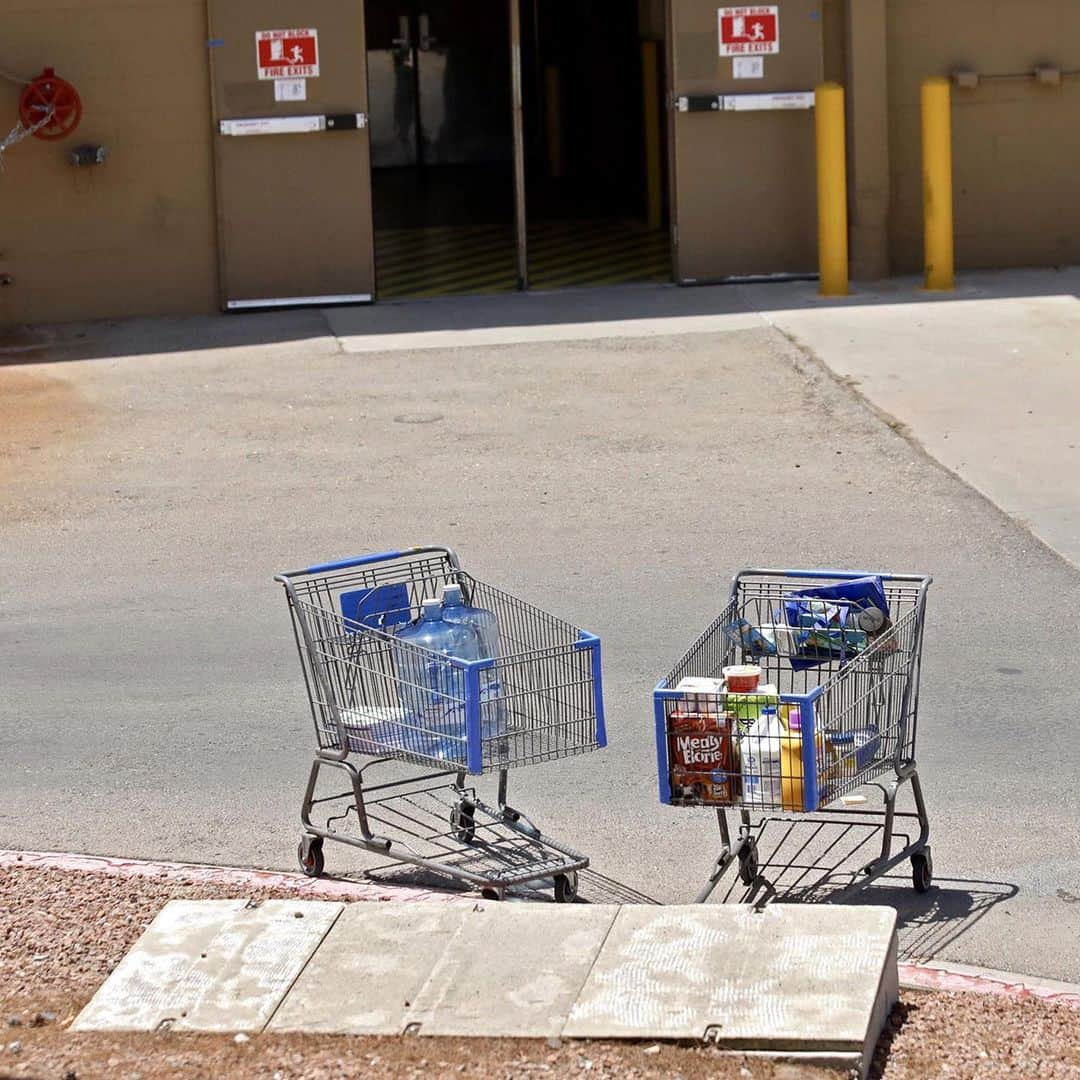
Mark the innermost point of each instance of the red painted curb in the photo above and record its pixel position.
(916, 976)
(1001, 984)
(314, 888)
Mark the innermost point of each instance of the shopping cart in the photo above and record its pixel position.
(857, 696)
(540, 700)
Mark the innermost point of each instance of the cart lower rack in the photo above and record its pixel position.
(380, 701)
(835, 712)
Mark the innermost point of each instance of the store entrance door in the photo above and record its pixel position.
(439, 77)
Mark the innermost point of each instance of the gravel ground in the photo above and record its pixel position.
(61, 933)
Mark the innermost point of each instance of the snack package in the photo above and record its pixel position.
(746, 708)
(700, 758)
(700, 693)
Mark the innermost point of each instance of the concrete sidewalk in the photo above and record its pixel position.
(808, 982)
(986, 379)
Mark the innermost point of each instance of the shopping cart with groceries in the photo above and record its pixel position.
(800, 699)
(410, 661)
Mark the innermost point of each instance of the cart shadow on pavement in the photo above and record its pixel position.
(593, 887)
(812, 861)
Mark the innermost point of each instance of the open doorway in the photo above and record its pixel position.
(439, 88)
(595, 147)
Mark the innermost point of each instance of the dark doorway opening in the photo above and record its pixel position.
(439, 87)
(595, 145)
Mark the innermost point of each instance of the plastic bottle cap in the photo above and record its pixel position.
(451, 594)
(794, 720)
(431, 609)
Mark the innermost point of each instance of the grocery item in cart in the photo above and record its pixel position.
(855, 749)
(701, 694)
(742, 678)
(486, 625)
(760, 753)
(701, 758)
(838, 620)
(430, 689)
(747, 708)
(791, 762)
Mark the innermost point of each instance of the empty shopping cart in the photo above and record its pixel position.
(538, 701)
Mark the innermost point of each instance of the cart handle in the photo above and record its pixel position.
(839, 575)
(367, 560)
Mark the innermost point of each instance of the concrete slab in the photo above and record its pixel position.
(368, 972)
(512, 970)
(790, 978)
(210, 965)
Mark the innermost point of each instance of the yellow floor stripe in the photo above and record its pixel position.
(444, 260)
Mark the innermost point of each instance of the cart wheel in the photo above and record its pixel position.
(462, 822)
(492, 894)
(748, 865)
(310, 856)
(566, 888)
(922, 870)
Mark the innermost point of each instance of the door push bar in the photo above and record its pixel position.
(797, 99)
(293, 125)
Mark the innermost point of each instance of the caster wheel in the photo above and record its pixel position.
(748, 865)
(922, 870)
(462, 822)
(492, 894)
(310, 856)
(566, 888)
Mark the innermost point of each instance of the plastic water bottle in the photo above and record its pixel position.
(431, 689)
(486, 625)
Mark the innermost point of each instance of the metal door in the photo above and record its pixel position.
(293, 176)
(743, 148)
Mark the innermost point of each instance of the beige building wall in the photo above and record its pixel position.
(138, 234)
(1016, 144)
(133, 236)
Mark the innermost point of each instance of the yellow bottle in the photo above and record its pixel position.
(791, 762)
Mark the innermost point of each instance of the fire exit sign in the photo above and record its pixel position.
(287, 54)
(749, 31)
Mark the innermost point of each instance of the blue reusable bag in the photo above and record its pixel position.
(834, 621)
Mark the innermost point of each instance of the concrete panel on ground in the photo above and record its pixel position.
(512, 970)
(370, 969)
(789, 978)
(210, 965)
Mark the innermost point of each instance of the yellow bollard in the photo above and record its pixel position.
(650, 84)
(831, 190)
(937, 184)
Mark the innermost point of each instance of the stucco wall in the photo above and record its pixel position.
(1016, 147)
(137, 234)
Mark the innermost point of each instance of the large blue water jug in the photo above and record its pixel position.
(486, 625)
(432, 690)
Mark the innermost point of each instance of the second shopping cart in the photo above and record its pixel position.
(804, 690)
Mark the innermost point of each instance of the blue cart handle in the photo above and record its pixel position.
(836, 575)
(368, 560)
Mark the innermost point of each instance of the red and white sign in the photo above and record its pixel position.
(287, 54)
(749, 31)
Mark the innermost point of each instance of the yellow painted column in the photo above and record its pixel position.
(831, 190)
(937, 184)
(650, 82)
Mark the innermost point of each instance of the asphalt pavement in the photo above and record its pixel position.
(152, 703)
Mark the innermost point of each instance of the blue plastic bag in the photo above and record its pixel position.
(836, 622)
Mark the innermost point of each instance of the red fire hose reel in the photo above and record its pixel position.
(49, 107)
